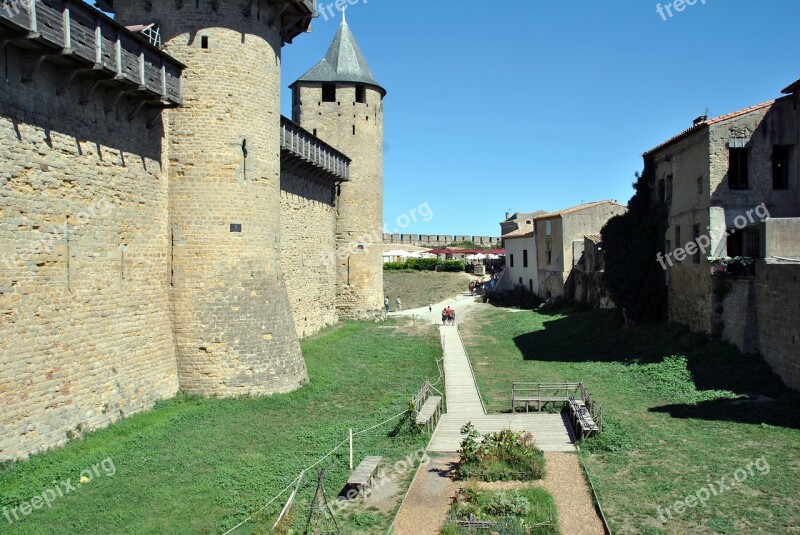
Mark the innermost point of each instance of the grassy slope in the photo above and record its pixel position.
(671, 426)
(200, 466)
(420, 288)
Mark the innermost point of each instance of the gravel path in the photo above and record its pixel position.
(566, 482)
(425, 509)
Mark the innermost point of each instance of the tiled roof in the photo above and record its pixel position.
(577, 208)
(525, 216)
(706, 123)
(794, 88)
(525, 231)
(594, 238)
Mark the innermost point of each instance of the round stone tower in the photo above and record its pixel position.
(231, 315)
(340, 102)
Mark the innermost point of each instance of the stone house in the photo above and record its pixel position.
(516, 221)
(559, 240)
(521, 259)
(732, 193)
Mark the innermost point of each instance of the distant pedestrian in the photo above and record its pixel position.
(430, 307)
(386, 303)
(398, 304)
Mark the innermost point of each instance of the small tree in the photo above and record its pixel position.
(631, 241)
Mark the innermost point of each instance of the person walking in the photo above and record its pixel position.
(430, 307)
(386, 303)
(398, 304)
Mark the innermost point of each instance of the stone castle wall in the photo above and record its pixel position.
(778, 301)
(308, 243)
(437, 240)
(86, 335)
(233, 324)
(356, 129)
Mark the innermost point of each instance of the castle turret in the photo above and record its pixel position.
(233, 326)
(342, 103)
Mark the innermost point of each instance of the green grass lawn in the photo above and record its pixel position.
(422, 287)
(681, 412)
(203, 465)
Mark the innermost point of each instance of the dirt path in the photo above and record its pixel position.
(425, 509)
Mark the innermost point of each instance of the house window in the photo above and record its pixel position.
(669, 188)
(738, 177)
(511, 258)
(328, 92)
(548, 225)
(744, 242)
(520, 281)
(524, 258)
(695, 235)
(780, 167)
(361, 94)
(530, 284)
(662, 191)
(700, 186)
(549, 251)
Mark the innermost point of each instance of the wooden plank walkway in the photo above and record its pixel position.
(464, 405)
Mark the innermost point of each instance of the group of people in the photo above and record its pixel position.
(476, 288)
(448, 316)
(398, 304)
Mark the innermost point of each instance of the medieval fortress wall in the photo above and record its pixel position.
(141, 253)
(84, 290)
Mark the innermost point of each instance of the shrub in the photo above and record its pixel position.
(502, 456)
(452, 265)
(421, 264)
(393, 266)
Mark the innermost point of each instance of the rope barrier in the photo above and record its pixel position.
(299, 478)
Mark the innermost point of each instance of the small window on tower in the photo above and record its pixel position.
(204, 42)
(361, 94)
(328, 92)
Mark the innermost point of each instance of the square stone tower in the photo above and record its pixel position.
(233, 325)
(340, 101)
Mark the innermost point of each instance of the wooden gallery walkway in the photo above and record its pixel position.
(464, 404)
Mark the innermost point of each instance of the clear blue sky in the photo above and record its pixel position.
(525, 104)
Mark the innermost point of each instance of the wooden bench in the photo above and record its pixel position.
(582, 421)
(363, 474)
(540, 394)
(428, 407)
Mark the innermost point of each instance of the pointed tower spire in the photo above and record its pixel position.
(344, 15)
(344, 62)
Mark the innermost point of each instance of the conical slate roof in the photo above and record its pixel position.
(344, 62)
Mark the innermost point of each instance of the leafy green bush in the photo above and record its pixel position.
(501, 456)
(394, 266)
(422, 264)
(452, 265)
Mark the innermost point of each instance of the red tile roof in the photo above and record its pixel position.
(700, 126)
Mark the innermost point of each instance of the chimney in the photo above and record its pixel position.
(507, 214)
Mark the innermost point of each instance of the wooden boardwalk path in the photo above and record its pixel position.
(551, 431)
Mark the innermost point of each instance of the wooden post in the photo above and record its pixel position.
(351, 449)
